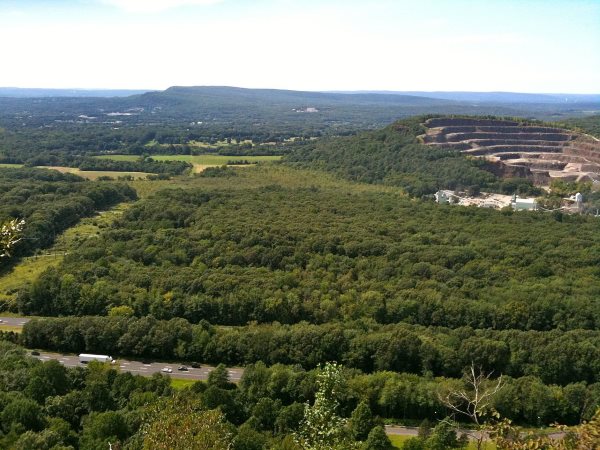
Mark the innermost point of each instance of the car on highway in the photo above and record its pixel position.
(35, 353)
(166, 370)
(183, 368)
(196, 365)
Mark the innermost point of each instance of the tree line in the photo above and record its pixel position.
(274, 253)
(554, 356)
(50, 202)
(47, 406)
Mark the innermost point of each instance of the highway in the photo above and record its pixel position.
(135, 367)
(196, 374)
(14, 321)
(140, 368)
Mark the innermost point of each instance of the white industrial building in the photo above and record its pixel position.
(524, 204)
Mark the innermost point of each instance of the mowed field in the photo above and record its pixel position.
(200, 162)
(399, 440)
(95, 174)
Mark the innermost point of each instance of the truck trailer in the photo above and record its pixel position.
(85, 358)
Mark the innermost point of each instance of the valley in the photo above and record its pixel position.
(283, 255)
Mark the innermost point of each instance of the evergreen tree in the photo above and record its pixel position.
(377, 440)
(361, 421)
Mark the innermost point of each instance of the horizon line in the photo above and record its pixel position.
(328, 91)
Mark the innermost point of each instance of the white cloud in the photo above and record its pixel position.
(152, 6)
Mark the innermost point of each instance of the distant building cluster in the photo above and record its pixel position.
(486, 200)
(309, 109)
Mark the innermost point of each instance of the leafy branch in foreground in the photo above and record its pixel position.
(322, 427)
(583, 437)
(10, 235)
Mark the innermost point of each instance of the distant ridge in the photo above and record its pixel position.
(491, 97)
(283, 95)
(287, 94)
(262, 109)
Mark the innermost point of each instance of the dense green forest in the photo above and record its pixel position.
(264, 252)
(556, 357)
(337, 254)
(69, 142)
(44, 406)
(394, 156)
(590, 124)
(50, 202)
(325, 270)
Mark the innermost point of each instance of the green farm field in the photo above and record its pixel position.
(180, 383)
(206, 160)
(95, 174)
(13, 328)
(399, 440)
(200, 162)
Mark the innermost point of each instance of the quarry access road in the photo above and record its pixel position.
(147, 369)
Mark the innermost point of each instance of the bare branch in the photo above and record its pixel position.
(474, 402)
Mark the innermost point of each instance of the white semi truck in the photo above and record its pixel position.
(85, 358)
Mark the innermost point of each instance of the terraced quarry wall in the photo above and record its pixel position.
(513, 148)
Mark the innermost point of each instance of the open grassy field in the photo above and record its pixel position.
(214, 160)
(260, 176)
(10, 165)
(95, 174)
(27, 270)
(208, 159)
(398, 441)
(179, 383)
(200, 162)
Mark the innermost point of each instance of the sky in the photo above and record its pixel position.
(403, 45)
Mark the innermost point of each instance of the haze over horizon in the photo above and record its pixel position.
(354, 91)
(331, 45)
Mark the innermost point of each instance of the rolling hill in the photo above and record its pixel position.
(247, 108)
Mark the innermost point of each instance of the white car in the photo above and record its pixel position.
(166, 370)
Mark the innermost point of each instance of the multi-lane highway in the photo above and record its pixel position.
(147, 369)
(136, 367)
(201, 373)
(14, 321)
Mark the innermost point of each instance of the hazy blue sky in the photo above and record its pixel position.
(486, 45)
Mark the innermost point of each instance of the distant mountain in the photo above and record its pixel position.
(280, 97)
(334, 112)
(40, 92)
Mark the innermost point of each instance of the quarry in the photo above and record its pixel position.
(514, 148)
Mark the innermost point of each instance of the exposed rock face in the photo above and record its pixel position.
(512, 148)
